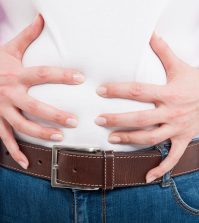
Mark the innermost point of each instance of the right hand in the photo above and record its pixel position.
(15, 80)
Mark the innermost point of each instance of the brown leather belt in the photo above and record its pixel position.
(91, 168)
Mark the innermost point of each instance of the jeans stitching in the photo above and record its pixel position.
(103, 206)
(75, 206)
(73, 209)
(180, 201)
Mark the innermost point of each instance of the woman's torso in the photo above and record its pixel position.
(107, 41)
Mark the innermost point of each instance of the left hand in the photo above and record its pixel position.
(176, 112)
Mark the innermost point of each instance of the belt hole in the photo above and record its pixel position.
(74, 170)
(39, 162)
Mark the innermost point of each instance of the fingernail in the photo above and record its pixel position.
(35, 19)
(149, 179)
(78, 78)
(102, 91)
(72, 122)
(159, 37)
(23, 164)
(100, 121)
(57, 137)
(114, 139)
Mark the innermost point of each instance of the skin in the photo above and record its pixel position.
(15, 80)
(176, 113)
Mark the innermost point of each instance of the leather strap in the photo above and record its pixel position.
(105, 169)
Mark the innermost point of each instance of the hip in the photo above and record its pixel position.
(28, 199)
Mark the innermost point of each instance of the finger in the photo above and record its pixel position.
(142, 137)
(44, 111)
(10, 143)
(21, 124)
(134, 90)
(132, 119)
(176, 152)
(165, 54)
(43, 74)
(19, 44)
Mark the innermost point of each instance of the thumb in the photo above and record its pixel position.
(169, 60)
(20, 43)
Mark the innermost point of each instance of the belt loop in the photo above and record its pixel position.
(164, 150)
(109, 169)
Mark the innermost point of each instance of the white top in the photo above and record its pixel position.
(109, 41)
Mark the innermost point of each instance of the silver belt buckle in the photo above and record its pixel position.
(55, 166)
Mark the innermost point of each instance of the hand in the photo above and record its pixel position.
(176, 112)
(15, 80)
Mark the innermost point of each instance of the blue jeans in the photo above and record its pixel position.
(27, 199)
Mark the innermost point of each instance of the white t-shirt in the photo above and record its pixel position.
(108, 40)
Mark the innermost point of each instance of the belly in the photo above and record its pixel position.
(112, 59)
(87, 105)
(83, 101)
